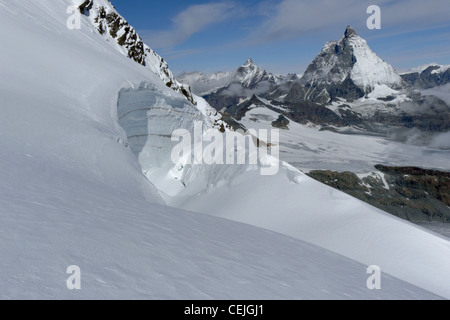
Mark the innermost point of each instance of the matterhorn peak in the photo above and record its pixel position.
(349, 69)
(349, 32)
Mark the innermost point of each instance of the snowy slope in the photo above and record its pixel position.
(369, 69)
(295, 205)
(132, 249)
(72, 192)
(115, 29)
(250, 74)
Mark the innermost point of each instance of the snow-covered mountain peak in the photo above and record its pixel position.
(350, 32)
(249, 63)
(250, 75)
(206, 83)
(427, 76)
(369, 69)
(351, 63)
(116, 30)
(249, 72)
(435, 68)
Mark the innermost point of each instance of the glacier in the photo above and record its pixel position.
(72, 191)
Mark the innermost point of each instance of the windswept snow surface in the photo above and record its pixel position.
(295, 205)
(72, 193)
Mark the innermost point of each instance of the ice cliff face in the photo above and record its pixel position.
(150, 115)
(112, 26)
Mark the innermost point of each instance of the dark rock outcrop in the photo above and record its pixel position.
(412, 193)
(86, 6)
(108, 21)
(281, 123)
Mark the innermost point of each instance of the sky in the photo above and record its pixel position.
(284, 36)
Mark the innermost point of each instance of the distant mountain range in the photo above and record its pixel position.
(247, 77)
(347, 84)
(347, 88)
(428, 76)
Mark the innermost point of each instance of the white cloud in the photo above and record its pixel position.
(189, 22)
(267, 21)
(441, 141)
(294, 18)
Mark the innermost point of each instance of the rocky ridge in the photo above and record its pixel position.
(411, 193)
(110, 24)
